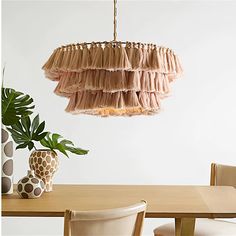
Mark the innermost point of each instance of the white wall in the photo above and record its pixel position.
(196, 127)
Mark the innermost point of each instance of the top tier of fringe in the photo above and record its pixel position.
(112, 56)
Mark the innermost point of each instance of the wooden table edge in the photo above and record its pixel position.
(147, 215)
(32, 214)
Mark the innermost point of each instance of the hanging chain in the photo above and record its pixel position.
(115, 20)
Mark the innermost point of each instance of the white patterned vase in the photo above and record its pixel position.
(45, 164)
(30, 186)
(7, 162)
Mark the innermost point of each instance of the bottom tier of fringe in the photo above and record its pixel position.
(114, 104)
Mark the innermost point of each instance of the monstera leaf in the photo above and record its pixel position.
(14, 106)
(52, 142)
(24, 132)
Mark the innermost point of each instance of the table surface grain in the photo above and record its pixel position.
(163, 201)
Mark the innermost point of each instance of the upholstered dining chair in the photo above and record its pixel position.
(221, 175)
(126, 221)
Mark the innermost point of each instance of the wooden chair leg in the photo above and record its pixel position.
(67, 217)
(184, 226)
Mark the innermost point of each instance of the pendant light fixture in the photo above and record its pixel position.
(113, 78)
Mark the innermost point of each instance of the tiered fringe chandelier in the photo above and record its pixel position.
(113, 78)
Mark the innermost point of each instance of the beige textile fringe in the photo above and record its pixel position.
(132, 57)
(118, 103)
(111, 79)
(107, 81)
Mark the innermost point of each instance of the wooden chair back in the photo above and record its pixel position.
(223, 175)
(126, 221)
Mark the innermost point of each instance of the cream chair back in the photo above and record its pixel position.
(126, 221)
(223, 175)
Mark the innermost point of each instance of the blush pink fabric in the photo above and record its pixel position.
(112, 79)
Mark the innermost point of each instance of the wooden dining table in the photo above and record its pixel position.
(183, 203)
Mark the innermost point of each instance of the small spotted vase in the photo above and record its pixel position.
(45, 164)
(30, 186)
(7, 162)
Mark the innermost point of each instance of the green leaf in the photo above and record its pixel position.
(14, 106)
(65, 142)
(22, 133)
(30, 145)
(35, 124)
(52, 141)
(25, 121)
(77, 151)
(16, 134)
(17, 126)
(40, 128)
(18, 141)
(45, 143)
(23, 145)
(55, 138)
(61, 148)
(40, 136)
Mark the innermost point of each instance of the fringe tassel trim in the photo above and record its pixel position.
(118, 103)
(110, 56)
(108, 81)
